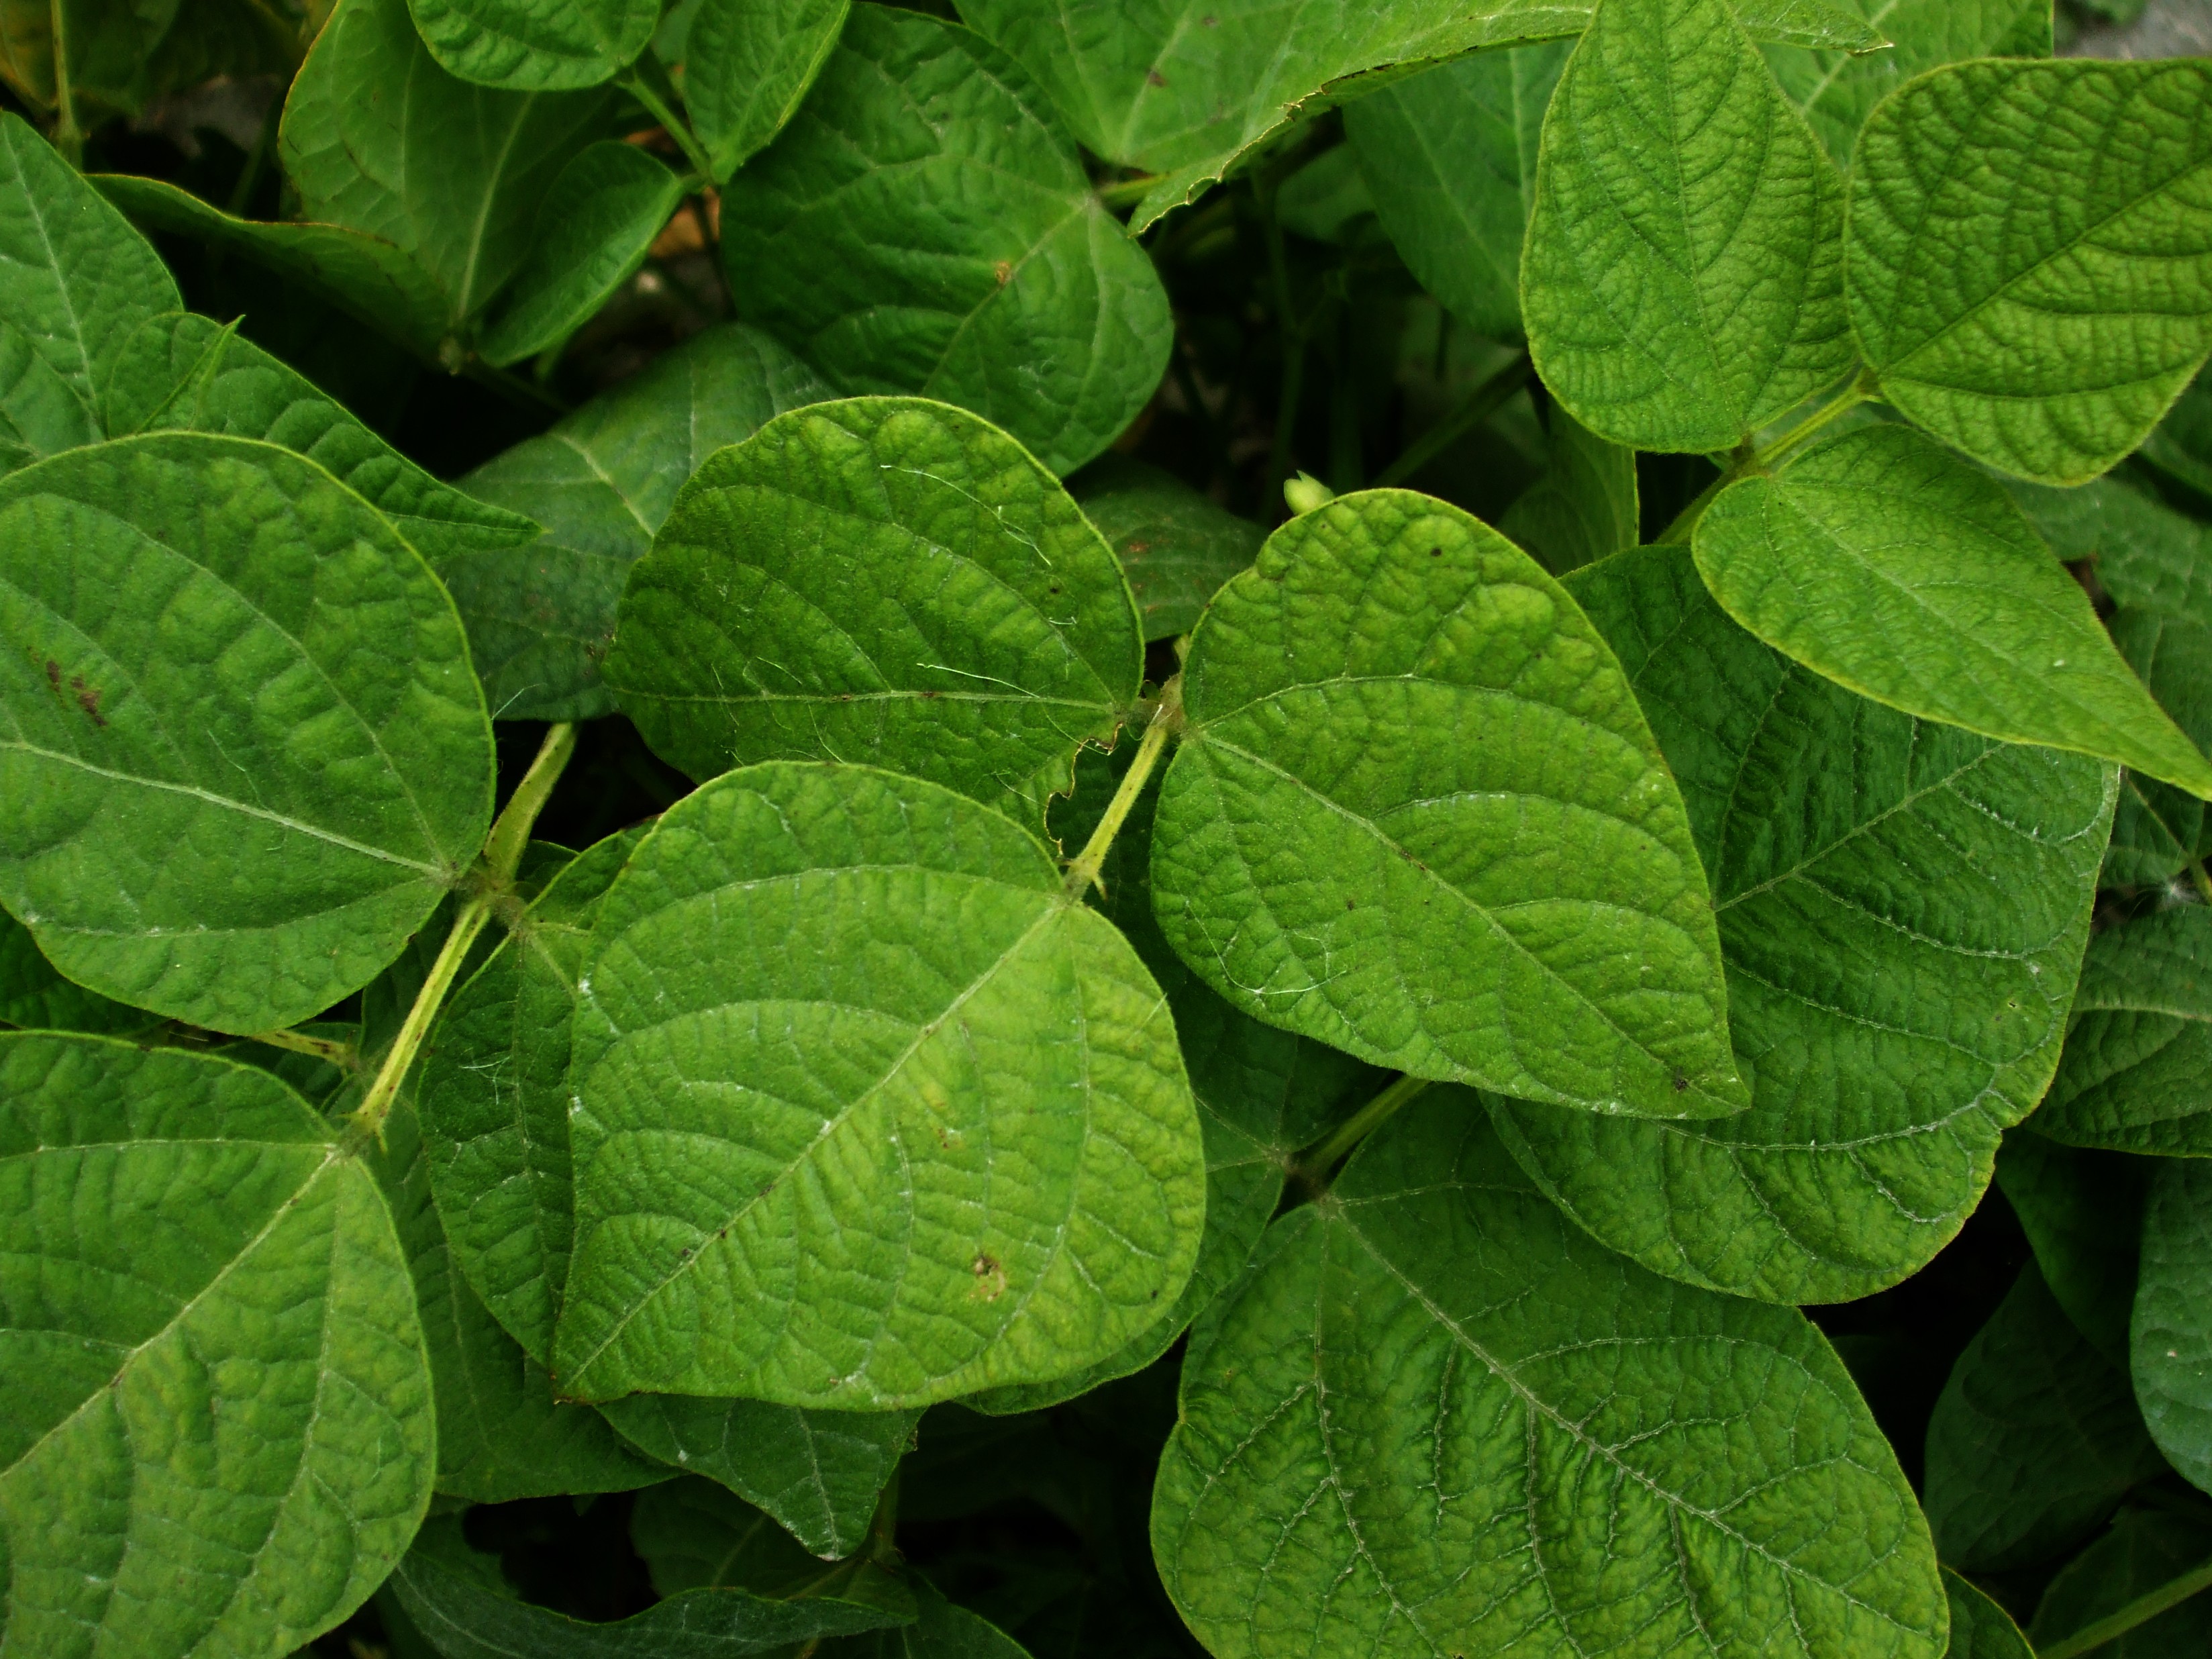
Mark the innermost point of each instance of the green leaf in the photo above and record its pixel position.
(366, 276)
(884, 580)
(1835, 90)
(818, 1475)
(2035, 1439)
(501, 1435)
(2136, 1076)
(40, 413)
(493, 1095)
(1176, 545)
(1327, 199)
(823, 1010)
(180, 372)
(2180, 446)
(1583, 507)
(1263, 1095)
(535, 46)
(2147, 556)
(2145, 1549)
(1980, 1629)
(1682, 280)
(1898, 570)
(593, 230)
(238, 722)
(924, 226)
(2171, 1346)
(465, 1618)
(124, 55)
(2083, 1212)
(218, 1432)
(943, 1631)
(1901, 909)
(1417, 815)
(693, 1534)
(36, 998)
(378, 140)
(2031, 255)
(1450, 156)
(601, 482)
(747, 65)
(1435, 1418)
(74, 278)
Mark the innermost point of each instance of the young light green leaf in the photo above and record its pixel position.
(1583, 507)
(593, 230)
(817, 1474)
(218, 1432)
(2181, 444)
(238, 848)
(465, 1619)
(1417, 815)
(366, 276)
(1836, 89)
(694, 1534)
(1176, 545)
(601, 482)
(535, 46)
(2035, 1439)
(74, 278)
(868, 1112)
(34, 997)
(180, 372)
(378, 139)
(1901, 908)
(1450, 156)
(1980, 1629)
(1682, 280)
(493, 1096)
(1435, 1418)
(2146, 1548)
(1895, 568)
(924, 226)
(2030, 267)
(885, 581)
(2170, 1349)
(1263, 1095)
(501, 1435)
(2082, 1213)
(747, 65)
(2137, 1072)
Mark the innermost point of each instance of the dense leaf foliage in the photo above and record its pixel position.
(1023, 829)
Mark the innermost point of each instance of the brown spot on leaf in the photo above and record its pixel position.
(1681, 1085)
(1004, 270)
(990, 1277)
(1153, 77)
(87, 698)
(53, 674)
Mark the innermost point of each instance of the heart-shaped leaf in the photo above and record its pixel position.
(868, 1112)
(1417, 815)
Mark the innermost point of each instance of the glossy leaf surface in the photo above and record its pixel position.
(243, 847)
(2171, 1346)
(1682, 279)
(1417, 815)
(1894, 569)
(1901, 909)
(924, 226)
(219, 1431)
(601, 482)
(1434, 1418)
(882, 581)
(535, 46)
(2031, 255)
(2034, 1440)
(2137, 1072)
(868, 1113)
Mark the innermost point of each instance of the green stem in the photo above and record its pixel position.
(2141, 1610)
(1167, 718)
(670, 123)
(1127, 192)
(1313, 1167)
(340, 1054)
(1686, 519)
(1477, 406)
(1750, 459)
(502, 855)
(68, 138)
